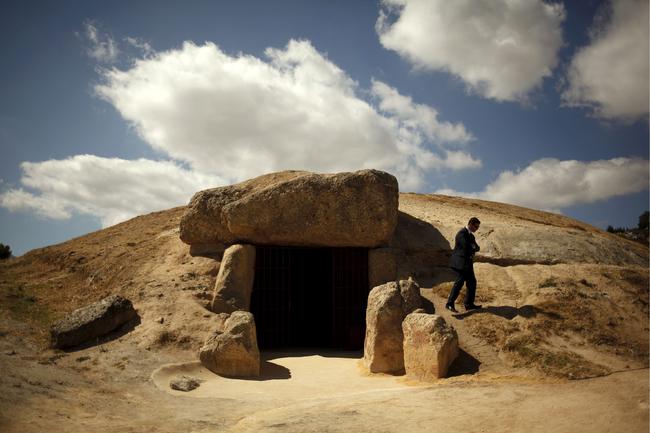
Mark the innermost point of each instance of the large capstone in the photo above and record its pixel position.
(296, 208)
(92, 321)
(233, 352)
(388, 304)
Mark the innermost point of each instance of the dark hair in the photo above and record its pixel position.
(474, 220)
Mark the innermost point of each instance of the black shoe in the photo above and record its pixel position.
(472, 307)
(451, 308)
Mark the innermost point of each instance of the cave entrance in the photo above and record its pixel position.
(310, 297)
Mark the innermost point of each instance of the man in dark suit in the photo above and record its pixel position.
(462, 263)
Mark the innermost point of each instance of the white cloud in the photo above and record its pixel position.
(110, 189)
(140, 45)
(100, 46)
(240, 116)
(229, 118)
(501, 49)
(419, 118)
(551, 184)
(21, 200)
(611, 74)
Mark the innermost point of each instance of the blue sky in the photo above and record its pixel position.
(110, 110)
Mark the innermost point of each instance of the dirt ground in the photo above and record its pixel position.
(116, 388)
(561, 344)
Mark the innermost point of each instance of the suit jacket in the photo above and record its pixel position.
(464, 250)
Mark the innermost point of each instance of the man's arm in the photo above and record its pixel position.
(462, 243)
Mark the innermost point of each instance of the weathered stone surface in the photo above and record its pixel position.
(382, 266)
(234, 284)
(233, 352)
(296, 208)
(509, 234)
(388, 304)
(185, 383)
(430, 346)
(92, 321)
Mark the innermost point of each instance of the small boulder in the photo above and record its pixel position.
(296, 208)
(234, 284)
(92, 321)
(388, 304)
(430, 346)
(185, 383)
(234, 351)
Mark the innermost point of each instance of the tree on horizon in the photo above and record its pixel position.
(5, 251)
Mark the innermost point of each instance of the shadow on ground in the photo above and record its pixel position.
(463, 364)
(302, 352)
(508, 312)
(270, 371)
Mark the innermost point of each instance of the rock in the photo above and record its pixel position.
(382, 266)
(296, 208)
(388, 304)
(92, 321)
(234, 351)
(509, 234)
(410, 293)
(185, 383)
(234, 284)
(430, 346)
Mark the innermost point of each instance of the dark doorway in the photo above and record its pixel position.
(310, 297)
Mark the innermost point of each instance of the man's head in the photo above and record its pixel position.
(473, 224)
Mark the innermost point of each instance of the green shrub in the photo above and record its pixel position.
(5, 251)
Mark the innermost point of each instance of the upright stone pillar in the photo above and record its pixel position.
(234, 285)
(430, 346)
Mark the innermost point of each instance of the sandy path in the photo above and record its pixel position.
(286, 377)
(316, 393)
(323, 392)
(613, 404)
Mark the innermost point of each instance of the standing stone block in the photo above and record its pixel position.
(234, 285)
(382, 266)
(388, 304)
(233, 352)
(430, 346)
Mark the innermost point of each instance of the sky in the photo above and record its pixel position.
(109, 110)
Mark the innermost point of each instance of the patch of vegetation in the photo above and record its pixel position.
(527, 350)
(24, 306)
(638, 234)
(5, 251)
(492, 329)
(549, 282)
(584, 317)
(584, 282)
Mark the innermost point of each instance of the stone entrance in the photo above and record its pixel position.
(310, 297)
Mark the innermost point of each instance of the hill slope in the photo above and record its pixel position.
(563, 300)
(563, 297)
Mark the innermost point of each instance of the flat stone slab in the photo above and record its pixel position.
(296, 208)
(92, 321)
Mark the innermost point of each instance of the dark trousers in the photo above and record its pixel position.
(463, 276)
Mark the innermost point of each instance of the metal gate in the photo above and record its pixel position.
(310, 297)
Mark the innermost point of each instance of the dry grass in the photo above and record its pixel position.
(528, 350)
